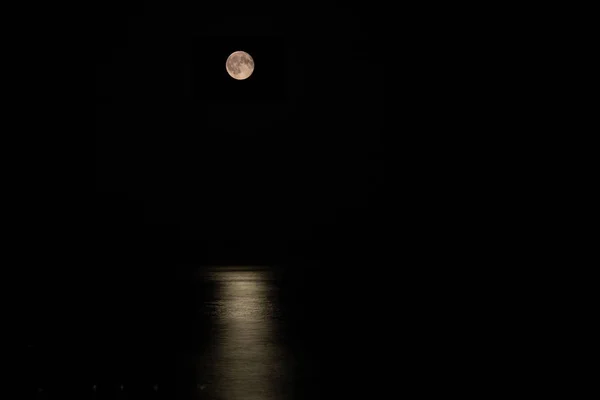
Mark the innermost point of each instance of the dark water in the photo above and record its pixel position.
(249, 333)
(210, 333)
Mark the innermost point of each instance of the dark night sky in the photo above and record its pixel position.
(287, 162)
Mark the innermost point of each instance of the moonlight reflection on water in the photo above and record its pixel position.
(246, 359)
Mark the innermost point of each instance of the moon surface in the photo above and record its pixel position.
(239, 65)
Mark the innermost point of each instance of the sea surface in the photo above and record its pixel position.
(227, 333)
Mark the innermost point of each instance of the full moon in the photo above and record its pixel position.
(239, 65)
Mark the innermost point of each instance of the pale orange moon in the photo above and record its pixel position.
(239, 65)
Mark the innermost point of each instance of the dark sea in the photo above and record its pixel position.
(227, 333)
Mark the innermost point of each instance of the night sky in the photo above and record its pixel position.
(285, 165)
